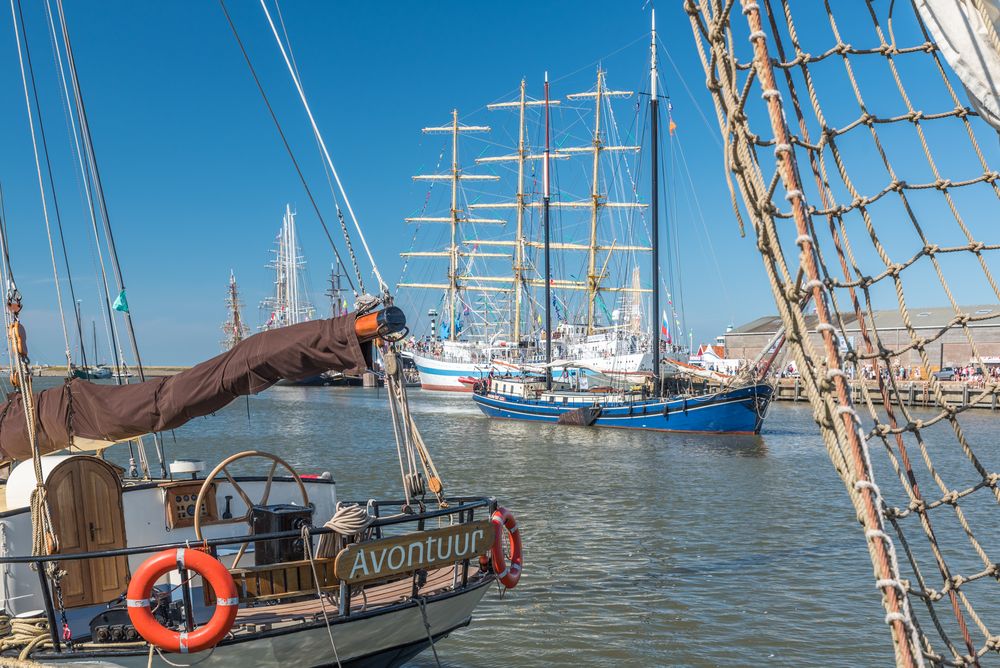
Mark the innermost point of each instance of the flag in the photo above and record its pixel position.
(665, 328)
(121, 303)
(673, 126)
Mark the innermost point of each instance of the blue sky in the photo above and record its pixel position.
(196, 177)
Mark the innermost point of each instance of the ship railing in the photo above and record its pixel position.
(464, 507)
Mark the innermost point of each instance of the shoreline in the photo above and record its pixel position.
(150, 371)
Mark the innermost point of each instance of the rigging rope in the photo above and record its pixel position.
(326, 154)
(91, 155)
(284, 139)
(15, 12)
(810, 269)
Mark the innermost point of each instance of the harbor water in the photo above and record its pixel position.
(641, 549)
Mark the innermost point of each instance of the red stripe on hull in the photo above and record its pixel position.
(447, 388)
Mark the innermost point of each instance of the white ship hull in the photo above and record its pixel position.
(385, 639)
(446, 376)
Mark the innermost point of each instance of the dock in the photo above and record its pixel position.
(915, 393)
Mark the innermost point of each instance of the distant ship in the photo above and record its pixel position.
(234, 329)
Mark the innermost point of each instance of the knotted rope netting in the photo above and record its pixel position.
(863, 171)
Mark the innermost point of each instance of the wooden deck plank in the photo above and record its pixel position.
(437, 580)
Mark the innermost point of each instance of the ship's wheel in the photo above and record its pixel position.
(222, 467)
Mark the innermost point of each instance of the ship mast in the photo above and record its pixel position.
(287, 305)
(336, 291)
(654, 208)
(456, 218)
(548, 267)
(595, 203)
(594, 277)
(520, 204)
(234, 328)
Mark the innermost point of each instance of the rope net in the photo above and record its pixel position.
(862, 169)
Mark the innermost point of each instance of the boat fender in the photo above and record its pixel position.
(508, 574)
(212, 571)
(666, 410)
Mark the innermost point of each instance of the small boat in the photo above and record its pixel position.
(99, 372)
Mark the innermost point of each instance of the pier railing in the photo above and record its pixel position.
(914, 393)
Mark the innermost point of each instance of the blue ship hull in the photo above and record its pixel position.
(739, 411)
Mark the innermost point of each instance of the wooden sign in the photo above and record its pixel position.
(377, 559)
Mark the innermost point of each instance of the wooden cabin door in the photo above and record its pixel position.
(85, 498)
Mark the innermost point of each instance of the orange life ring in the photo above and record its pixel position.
(507, 574)
(209, 568)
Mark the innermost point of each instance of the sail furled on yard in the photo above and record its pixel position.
(87, 415)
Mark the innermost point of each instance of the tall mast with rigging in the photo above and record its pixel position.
(457, 217)
(595, 203)
(521, 203)
(597, 199)
(654, 205)
(235, 329)
(547, 277)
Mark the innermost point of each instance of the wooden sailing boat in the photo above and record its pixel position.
(236, 569)
(655, 404)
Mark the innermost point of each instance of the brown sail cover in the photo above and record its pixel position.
(119, 412)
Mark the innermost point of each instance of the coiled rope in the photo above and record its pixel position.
(350, 520)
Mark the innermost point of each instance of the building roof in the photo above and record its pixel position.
(934, 317)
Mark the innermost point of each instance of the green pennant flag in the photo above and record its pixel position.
(121, 303)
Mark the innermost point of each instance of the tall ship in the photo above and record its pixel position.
(719, 404)
(489, 318)
(234, 329)
(289, 305)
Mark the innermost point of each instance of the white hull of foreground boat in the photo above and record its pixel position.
(384, 638)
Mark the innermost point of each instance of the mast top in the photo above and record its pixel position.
(652, 57)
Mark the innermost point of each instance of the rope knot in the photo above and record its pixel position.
(917, 505)
(976, 246)
(951, 498)
(842, 48)
(930, 249)
(992, 479)
(942, 184)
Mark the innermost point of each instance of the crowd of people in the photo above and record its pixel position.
(976, 376)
